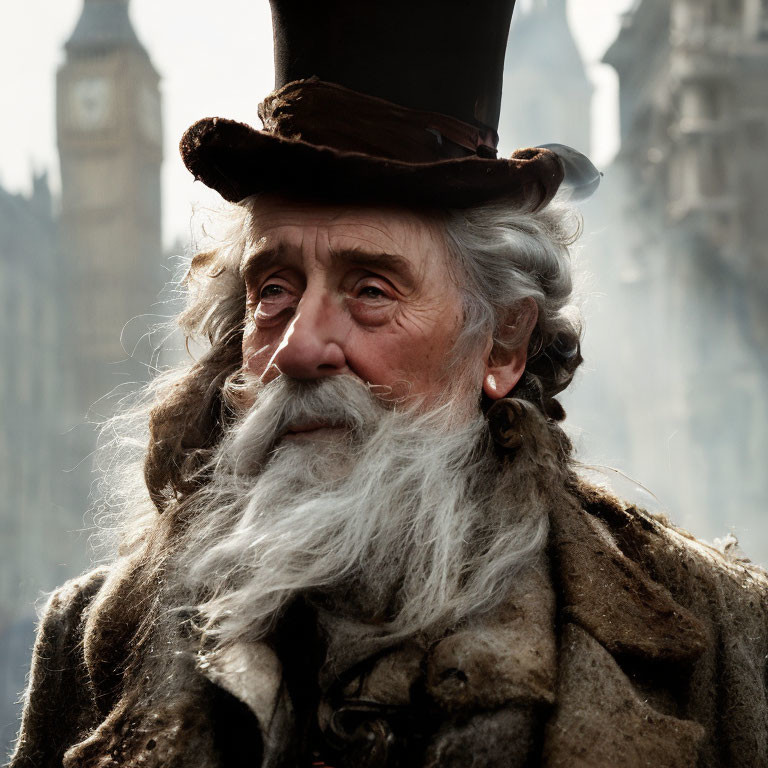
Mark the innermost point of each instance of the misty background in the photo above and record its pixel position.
(668, 97)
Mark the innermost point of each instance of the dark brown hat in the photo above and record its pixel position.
(393, 101)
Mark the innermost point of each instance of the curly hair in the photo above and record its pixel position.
(501, 258)
(506, 258)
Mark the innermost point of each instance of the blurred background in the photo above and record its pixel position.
(670, 99)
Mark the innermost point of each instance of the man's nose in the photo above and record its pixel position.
(312, 346)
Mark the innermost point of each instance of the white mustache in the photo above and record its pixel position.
(339, 401)
(416, 512)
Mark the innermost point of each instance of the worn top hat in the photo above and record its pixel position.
(387, 101)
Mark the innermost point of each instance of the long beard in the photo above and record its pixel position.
(405, 515)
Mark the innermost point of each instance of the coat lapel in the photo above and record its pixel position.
(612, 597)
(601, 722)
(609, 611)
(252, 673)
(610, 608)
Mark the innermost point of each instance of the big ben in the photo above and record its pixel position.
(110, 147)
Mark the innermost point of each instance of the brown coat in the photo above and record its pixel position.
(662, 647)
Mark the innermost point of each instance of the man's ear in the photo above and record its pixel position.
(506, 364)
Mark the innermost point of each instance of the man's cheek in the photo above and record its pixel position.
(257, 353)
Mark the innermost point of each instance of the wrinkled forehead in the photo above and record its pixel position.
(279, 223)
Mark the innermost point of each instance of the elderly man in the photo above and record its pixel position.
(358, 538)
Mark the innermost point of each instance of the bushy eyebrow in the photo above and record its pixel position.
(390, 262)
(261, 260)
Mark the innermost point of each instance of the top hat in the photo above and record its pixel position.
(386, 101)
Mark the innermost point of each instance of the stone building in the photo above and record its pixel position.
(110, 147)
(71, 284)
(547, 94)
(28, 420)
(681, 247)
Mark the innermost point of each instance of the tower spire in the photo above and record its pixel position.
(103, 26)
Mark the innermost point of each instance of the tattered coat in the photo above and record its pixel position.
(658, 646)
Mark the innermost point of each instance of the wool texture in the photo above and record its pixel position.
(661, 653)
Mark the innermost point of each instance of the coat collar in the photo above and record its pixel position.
(600, 720)
(611, 596)
(609, 611)
(252, 673)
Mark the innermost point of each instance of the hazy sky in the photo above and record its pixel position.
(212, 63)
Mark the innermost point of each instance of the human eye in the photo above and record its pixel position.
(271, 291)
(270, 299)
(371, 300)
(372, 288)
(373, 292)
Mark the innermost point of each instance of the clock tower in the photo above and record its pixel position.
(109, 129)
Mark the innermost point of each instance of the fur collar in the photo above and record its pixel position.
(611, 618)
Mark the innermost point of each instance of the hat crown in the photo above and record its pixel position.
(388, 101)
(444, 56)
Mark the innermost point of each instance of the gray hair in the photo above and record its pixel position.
(501, 258)
(506, 257)
(407, 505)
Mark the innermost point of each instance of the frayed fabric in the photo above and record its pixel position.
(623, 642)
(666, 662)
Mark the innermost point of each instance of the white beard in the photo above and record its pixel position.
(407, 514)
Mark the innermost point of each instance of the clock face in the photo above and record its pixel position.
(91, 102)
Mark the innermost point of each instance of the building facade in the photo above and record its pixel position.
(547, 94)
(670, 404)
(78, 285)
(38, 522)
(683, 251)
(109, 130)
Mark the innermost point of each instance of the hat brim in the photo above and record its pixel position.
(238, 161)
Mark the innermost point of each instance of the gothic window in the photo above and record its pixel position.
(700, 101)
(702, 13)
(728, 12)
(711, 162)
(675, 178)
(710, 101)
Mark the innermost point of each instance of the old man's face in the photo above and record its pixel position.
(347, 308)
(365, 292)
